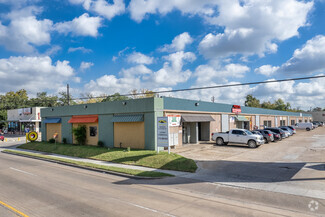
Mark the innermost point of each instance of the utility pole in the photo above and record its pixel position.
(68, 94)
(212, 99)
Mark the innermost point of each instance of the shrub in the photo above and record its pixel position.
(80, 134)
(100, 143)
(64, 140)
(51, 140)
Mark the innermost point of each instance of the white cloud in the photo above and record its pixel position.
(24, 31)
(253, 26)
(102, 7)
(178, 44)
(34, 74)
(139, 58)
(140, 76)
(208, 73)
(85, 65)
(266, 70)
(82, 49)
(250, 26)
(139, 8)
(172, 72)
(80, 26)
(309, 59)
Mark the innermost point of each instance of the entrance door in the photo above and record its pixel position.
(246, 125)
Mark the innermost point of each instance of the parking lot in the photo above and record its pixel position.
(295, 165)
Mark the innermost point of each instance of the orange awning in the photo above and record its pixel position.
(83, 119)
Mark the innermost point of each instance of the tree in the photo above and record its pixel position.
(115, 97)
(63, 99)
(252, 101)
(43, 100)
(143, 93)
(317, 109)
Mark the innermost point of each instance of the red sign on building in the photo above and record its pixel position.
(236, 109)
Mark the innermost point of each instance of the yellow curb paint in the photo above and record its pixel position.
(13, 209)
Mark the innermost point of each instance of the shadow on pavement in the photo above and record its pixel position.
(238, 171)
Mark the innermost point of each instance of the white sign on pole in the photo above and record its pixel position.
(162, 132)
(174, 120)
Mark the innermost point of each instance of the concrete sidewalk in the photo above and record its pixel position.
(104, 163)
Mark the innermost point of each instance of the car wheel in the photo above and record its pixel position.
(219, 141)
(308, 129)
(265, 141)
(251, 144)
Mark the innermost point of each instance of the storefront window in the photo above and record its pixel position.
(93, 131)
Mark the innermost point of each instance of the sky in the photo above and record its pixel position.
(108, 46)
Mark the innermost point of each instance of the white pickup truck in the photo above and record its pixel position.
(238, 136)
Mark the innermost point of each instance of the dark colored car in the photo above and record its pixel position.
(276, 136)
(287, 129)
(267, 135)
(278, 131)
(293, 129)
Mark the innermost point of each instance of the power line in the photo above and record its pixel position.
(211, 87)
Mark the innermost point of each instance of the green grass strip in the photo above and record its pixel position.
(134, 172)
(146, 158)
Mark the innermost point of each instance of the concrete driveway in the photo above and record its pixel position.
(295, 165)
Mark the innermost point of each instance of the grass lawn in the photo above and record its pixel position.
(146, 158)
(133, 172)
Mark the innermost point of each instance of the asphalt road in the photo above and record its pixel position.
(39, 188)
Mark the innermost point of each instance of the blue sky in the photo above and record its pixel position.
(107, 46)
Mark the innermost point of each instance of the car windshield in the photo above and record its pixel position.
(248, 132)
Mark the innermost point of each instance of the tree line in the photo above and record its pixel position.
(278, 104)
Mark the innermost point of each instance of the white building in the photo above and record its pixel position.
(318, 116)
(21, 119)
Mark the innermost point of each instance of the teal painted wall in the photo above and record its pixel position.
(106, 130)
(151, 108)
(43, 130)
(116, 107)
(189, 105)
(66, 129)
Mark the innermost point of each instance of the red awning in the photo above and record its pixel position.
(83, 119)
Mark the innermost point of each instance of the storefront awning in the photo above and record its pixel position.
(52, 121)
(241, 118)
(127, 118)
(83, 119)
(197, 118)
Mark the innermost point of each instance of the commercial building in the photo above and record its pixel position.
(318, 116)
(24, 118)
(133, 123)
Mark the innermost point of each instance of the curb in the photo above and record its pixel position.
(85, 167)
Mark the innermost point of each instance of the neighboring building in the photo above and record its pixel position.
(24, 118)
(133, 123)
(318, 116)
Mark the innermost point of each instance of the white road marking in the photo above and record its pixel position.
(22, 171)
(143, 207)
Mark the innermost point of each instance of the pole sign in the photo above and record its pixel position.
(162, 132)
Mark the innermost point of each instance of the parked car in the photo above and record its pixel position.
(267, 135)
(293, 129)
(278, 131)
(287, 130)
(241, 136)
(276, 136)
(305, 126)
(317, 123)
(2, 138)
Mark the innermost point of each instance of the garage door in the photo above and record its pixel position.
(51, 129)
(129, 134)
